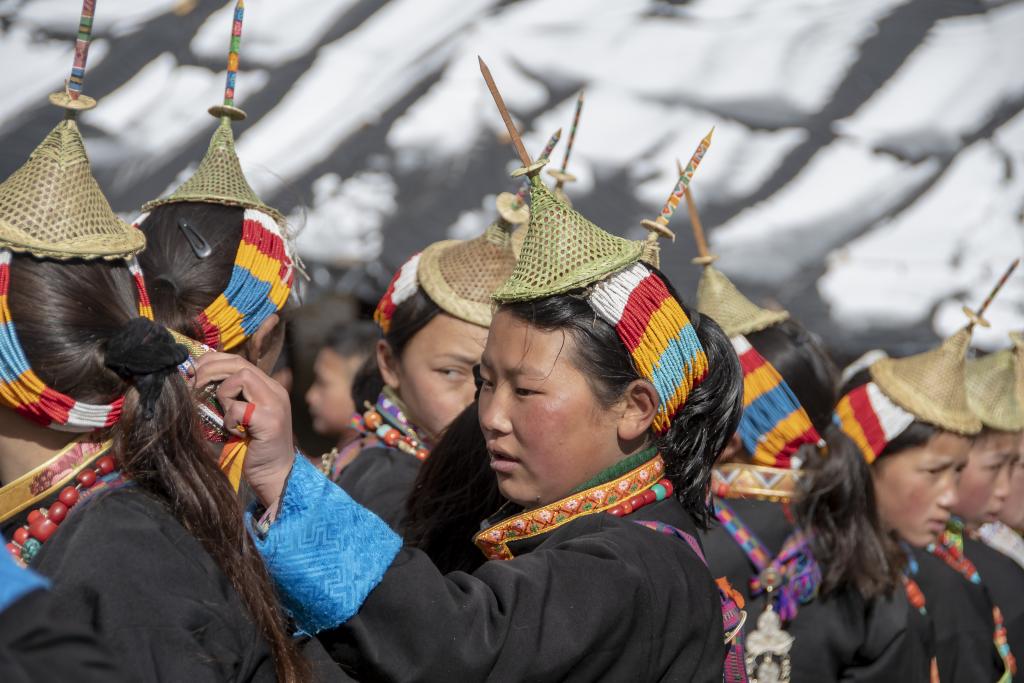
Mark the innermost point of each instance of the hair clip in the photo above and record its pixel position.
(200, 246)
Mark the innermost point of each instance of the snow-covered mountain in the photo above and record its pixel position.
(867, 170)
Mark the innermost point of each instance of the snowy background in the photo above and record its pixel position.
(867, 170)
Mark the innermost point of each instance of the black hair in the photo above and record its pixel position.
(700, 428)
(454, 491)
(180, 283)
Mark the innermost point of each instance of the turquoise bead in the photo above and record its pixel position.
(659, 492)
(29, 549)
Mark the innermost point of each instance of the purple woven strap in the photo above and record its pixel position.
(735, 670)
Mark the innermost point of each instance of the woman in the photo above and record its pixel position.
(985, 484)
(578, 421)
(797, 531)
(910, 419)
(434, 318)
(131, 519)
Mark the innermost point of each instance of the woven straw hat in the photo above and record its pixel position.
(460, 276)
(52, 207)
(219, 178)
(931, 385)
(992, 391)
(562, 250)
(1018, 365)
(718, 298)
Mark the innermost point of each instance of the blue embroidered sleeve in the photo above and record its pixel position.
(16, 582)
(325, 551)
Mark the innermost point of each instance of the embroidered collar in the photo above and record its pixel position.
(494, 540)
(37, 484)
(756, 482)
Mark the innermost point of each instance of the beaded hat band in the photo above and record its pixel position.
(656, 332)
(403, 286)
(23, 391)
(870, 419)
(774, 424)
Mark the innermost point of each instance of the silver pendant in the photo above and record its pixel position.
(767, 656)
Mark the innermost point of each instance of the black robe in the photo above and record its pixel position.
(961, 613)
(123, 565)
(1003, 579)
(599, 598)
(37, 645)
(381, 479)
(839, 638)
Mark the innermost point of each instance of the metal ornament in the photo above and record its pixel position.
(768, 646)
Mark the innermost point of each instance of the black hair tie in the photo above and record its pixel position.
(144, 353)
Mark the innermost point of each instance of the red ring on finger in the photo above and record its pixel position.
(243, 426)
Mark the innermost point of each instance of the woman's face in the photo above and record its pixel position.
(985, 482)
(330, 396)
(1013, 509)
(546, 431)
(434, 376)
(916, 488)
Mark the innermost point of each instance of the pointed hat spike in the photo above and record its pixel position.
(562, 176)
(659, 226)
(72, 98)
(552, 141)
(227, 110)
(704, 256)
(977, 318)
(513, 133)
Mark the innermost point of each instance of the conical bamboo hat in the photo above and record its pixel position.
(932, 385)
(52, 206)
(992, 391)
(460, 276)
(718, 298)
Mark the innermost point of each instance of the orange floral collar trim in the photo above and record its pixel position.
(755, 482)
(494, 540)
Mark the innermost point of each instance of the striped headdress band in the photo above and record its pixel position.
(774, 425)
(868, 417)
(402, 286)
(656, 332)
(23, 391)
(260, 283)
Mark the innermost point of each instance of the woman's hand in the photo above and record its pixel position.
(245, 388)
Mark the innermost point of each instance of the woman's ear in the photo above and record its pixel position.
(387, 362)
(639, 406)
(264, 346)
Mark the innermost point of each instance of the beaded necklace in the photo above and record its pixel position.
(950, 549)
(43, 522)
(388, 422)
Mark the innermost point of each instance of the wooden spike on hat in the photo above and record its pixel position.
(219, 178)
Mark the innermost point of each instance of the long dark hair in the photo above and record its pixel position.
(454, 491)
(840, 508)
(67, 312)
(706, 421)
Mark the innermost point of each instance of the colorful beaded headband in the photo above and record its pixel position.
(403, 286)
(870, 419)
(656, 332)
(774, 425)
(261, 281)
(23, 391)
